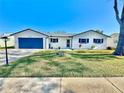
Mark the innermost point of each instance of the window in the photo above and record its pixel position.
(98, 41)
(83, 40)
(68, 43)
(54, 40)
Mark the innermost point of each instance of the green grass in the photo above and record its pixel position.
(72, 64)
(9, 47)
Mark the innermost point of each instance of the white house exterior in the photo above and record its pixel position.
(10, 41)
(90, 36)
(62, 42)
(29, 33)
(86, 40)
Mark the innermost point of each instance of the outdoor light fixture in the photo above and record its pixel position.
(6, 52)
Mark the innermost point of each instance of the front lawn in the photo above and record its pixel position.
(9, 47)
(86, 63)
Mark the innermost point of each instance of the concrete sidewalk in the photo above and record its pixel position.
(62, 85)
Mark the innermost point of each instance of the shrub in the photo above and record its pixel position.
(110, 48)
(80, 46)
(92, 47)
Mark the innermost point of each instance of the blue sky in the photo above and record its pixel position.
(58, 15)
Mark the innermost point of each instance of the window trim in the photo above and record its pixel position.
(98, 41)
(54, 40)
(85, 39)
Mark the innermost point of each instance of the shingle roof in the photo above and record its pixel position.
(63, 34)
(54, 34)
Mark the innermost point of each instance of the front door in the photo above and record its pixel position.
(68, 43)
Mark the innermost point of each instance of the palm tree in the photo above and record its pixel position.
(120, 46)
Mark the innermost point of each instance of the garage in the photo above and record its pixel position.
(30, 43)
(30, 39)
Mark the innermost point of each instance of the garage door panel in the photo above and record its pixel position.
(31, 43)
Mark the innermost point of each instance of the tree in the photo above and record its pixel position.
(120, 46)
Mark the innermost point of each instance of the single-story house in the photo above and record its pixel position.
(31, 39)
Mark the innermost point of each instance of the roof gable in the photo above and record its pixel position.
(28, 30)
(92, 31)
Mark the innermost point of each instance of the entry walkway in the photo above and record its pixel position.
(62, 85)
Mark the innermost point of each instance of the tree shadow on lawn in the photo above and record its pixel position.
(7, 69)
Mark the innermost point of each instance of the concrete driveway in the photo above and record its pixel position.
(14, 54)
(62, 85)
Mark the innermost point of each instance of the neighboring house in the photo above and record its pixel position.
(31, 39)
(112, 42)
(10, 41)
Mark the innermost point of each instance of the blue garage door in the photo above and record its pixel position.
(30, 43)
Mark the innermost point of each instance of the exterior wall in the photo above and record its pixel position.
(90, 36)
(62, 41)
(30, 34)
(10, 42)
(112, 42)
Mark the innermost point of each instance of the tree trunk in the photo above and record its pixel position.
(120, 46)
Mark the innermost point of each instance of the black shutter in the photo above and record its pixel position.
(79, 40)
(102, 40)
(93, 40)
(51, 40)
(87, 40)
